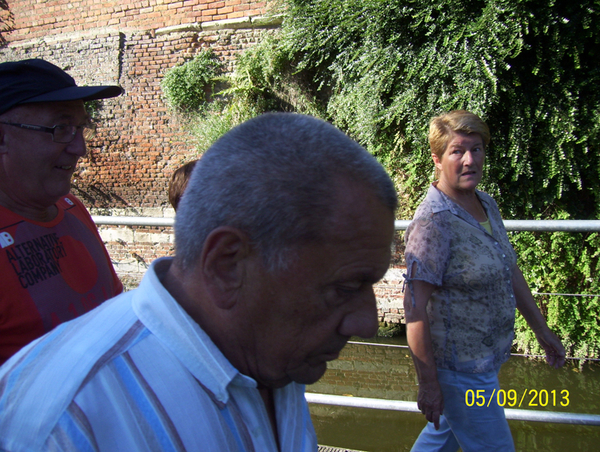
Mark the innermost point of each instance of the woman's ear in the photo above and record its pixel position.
(437, 162)
(223, 261)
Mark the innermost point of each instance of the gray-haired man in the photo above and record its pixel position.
(53, 264)
(284, 227)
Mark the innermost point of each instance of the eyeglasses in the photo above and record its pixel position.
(62, 133)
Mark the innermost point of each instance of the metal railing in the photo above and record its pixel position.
(118, 220)
(400, 225)
(398, 405)
(536, 225)
(411, 407)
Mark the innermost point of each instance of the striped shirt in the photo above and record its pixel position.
(138, 374)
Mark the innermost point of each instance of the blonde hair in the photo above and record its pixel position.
(441, 129)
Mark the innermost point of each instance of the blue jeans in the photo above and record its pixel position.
(472, 428)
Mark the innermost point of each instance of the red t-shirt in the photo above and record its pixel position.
(50, 273)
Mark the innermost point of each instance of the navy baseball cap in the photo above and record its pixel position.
(36, 80)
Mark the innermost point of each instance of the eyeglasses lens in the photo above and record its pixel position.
(66, 134)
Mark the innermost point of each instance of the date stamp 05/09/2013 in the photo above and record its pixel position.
(520, 399)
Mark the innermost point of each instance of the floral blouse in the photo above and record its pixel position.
(472, 311)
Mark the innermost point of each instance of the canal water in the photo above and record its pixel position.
(385, 371)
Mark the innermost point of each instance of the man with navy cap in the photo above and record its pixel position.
(53, 264)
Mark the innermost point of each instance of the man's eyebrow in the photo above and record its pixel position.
(67, 117)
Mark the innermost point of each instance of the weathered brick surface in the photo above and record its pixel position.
(139, 144)
(41, 18)
(367, 371)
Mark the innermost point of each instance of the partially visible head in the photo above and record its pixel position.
(179, 181)
(442, 128)
(287, 223)
(42, 126)
(273, 177)
(296, 320)
(36, 80)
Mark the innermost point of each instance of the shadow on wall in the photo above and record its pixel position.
(6, 21)
(95, 195)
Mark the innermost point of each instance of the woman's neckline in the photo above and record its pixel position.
(473, 206)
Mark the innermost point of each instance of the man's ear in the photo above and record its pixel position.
(224, 256)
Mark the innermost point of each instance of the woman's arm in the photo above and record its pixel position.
(555, 352)
(430, 400)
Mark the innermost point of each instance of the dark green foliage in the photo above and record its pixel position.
(528, 68)
(189, 86)
(381, 70)
(93, 107)
(266, 79)
(563, 263)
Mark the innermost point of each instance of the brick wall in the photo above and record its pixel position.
(131, 43)
(139, 143)
(41, 18)
(367, 371)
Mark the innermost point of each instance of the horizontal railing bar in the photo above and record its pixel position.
(400, 225)
(536, 225)
(553, 225)
(411, 407)
(119, 220)
(362, 402)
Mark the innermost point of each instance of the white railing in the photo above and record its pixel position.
(401, 225)
(411, 407)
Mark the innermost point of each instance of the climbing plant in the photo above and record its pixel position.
(189, 86)
(381, 70)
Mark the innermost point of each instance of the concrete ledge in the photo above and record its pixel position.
(157, 212)
(184, 28)
(104, 32)
(225, 24)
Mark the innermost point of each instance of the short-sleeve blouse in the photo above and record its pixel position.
(472, 310)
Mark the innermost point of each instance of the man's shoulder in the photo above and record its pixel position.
(68, 203)
(70, 199)
(8, 218)
(39, 383)
(71, 203)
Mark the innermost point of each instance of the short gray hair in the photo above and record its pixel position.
(273, 177)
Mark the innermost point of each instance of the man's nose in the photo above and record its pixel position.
(362, 321)
(78, 145)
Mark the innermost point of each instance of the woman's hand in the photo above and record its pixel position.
(431, 402)
(555, 352)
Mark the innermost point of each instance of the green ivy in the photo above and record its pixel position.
(529, 68)
(563, 263)
(189, 86)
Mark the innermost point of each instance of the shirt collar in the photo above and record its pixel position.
(440, 202)
(173, 327)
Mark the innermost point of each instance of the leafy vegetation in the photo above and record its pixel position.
(381, 70)
(189, 86)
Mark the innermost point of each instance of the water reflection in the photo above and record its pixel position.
(387, 372)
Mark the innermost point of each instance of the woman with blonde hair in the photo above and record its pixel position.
(464, 285)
